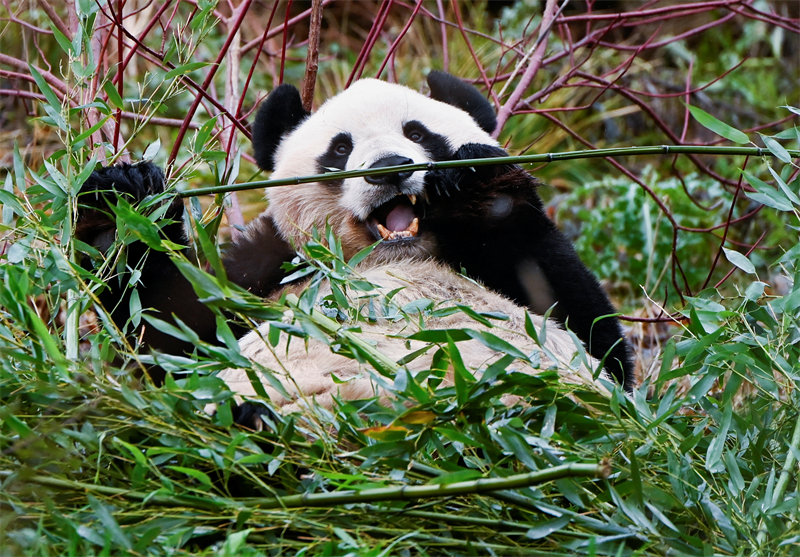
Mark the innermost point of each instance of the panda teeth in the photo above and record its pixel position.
(413, 199)
(409, 232)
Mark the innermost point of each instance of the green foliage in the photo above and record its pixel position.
(620, 232)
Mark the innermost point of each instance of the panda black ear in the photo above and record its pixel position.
(451, 90)
(279, 114)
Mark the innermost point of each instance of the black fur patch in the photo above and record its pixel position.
(490, 221)
(248, 414)
(451, 90)
(279, 114)
(436, 145)
(254, 261)
(335, 158)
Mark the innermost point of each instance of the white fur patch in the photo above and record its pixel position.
(306, 373)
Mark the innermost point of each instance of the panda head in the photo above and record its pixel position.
(372, 124)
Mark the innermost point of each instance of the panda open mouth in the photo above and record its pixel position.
(395, 219)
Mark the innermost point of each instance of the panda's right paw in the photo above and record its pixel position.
(133, 182)
(252, 414)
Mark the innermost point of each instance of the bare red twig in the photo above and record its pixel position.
(443, 27)
(312, 56)
(285, 39)
(635, 15)
(47, 8)
(240, 13)
(369, 43)
(486, 81)
(535, 63)
(399, 38)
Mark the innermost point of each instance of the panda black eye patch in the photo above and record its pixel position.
(434, 144)
(335, 158)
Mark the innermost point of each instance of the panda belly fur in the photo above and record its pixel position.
(306, 370)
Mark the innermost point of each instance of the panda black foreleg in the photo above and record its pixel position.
(160, 285)
(490, 221)
(254, 262)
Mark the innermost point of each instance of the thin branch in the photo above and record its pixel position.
(47, 8)
(406, 492)
(519, 159)
(550, 12)
(312, 55)
(232, 30)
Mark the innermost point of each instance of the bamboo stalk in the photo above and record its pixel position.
(428, 491)
(520, 159)
(602, 470)
(783, 480)
(206, 503)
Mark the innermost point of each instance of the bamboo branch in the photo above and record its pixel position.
(427, 491)
(783, 480)
(520, 159)
(482, 485)
(206, 503)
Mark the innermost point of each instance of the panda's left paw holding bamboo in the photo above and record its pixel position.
(467, 191)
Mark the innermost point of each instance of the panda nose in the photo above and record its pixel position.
(390, 179)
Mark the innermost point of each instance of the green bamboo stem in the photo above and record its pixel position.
(496, 524)
(520, 159)
(783, 480)
(205, 503)
(428, 491)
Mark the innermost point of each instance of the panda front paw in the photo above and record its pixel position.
(252, 415)
(133, 182)
(465, 190)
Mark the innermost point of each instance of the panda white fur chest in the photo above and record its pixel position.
(311, 371)
(486, 220)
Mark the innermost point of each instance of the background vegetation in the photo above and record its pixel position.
(701, 460)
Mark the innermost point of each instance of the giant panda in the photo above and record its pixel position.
(430, 226)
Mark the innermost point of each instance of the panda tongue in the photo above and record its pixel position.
(399, 218)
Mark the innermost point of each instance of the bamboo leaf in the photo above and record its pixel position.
(191, 472)
(152, 150)
(739, 260)
(89, 132)
(45, 88)
(113, 95)
(185, 68)
(720, 128)
(547, 527)
(776, 149)
(109, 523)
(766, 194)
(62, 40)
